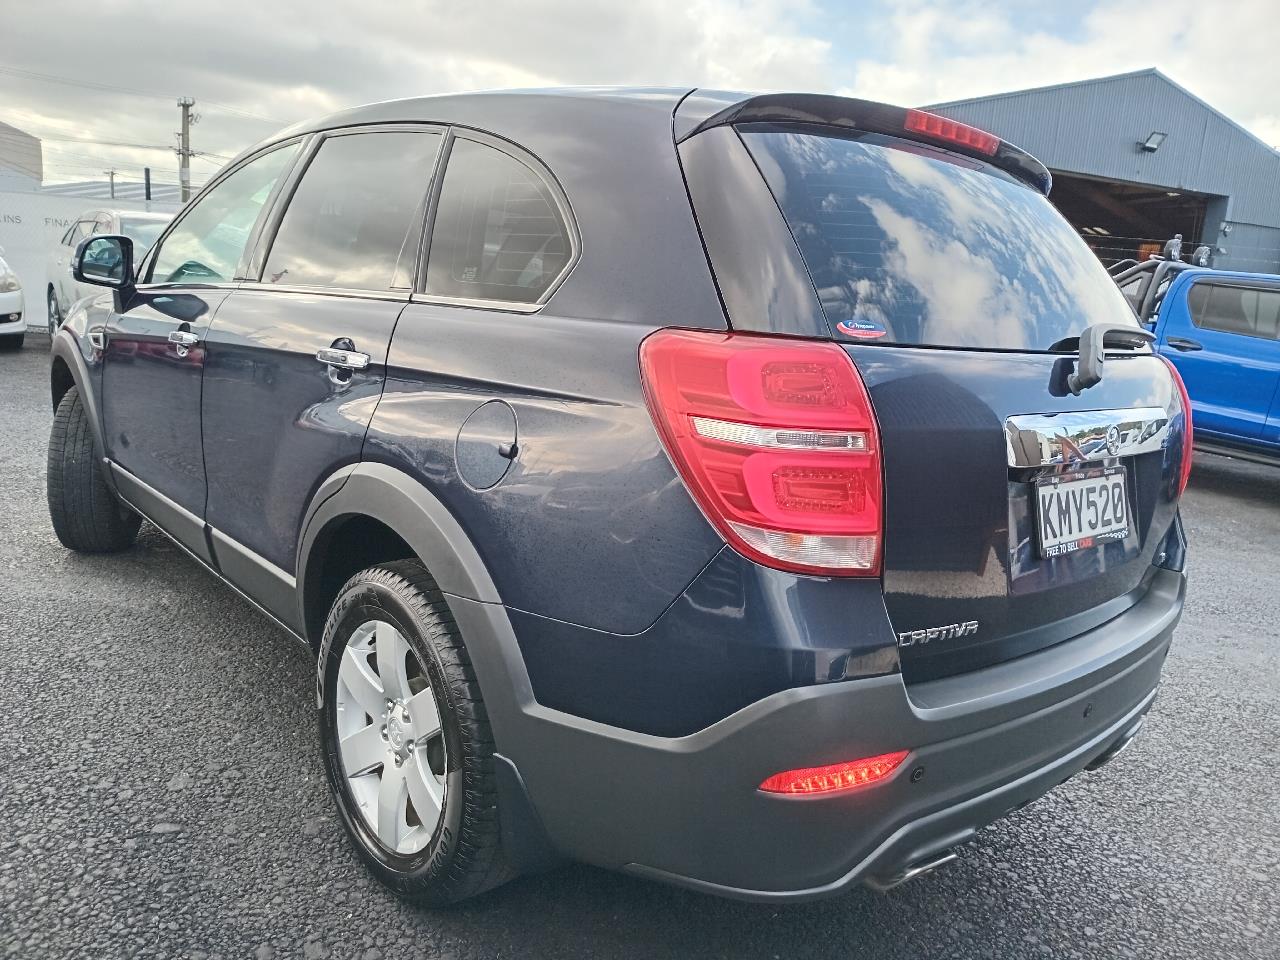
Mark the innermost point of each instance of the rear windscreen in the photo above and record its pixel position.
(915, 245)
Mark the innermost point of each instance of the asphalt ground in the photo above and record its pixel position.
(161, 794)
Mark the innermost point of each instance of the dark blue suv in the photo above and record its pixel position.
(761, 494)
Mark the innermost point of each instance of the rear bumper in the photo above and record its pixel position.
(687, 810)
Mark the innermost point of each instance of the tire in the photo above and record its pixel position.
(54, 311)
(12, 341)
(86, 515)
(452, 850)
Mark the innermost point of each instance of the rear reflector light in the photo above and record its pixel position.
(1188, 432)
(836, 776)
(776, 440)
(950, 131)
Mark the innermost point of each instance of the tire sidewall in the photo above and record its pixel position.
(360, 602)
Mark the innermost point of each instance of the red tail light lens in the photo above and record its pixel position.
(1188, 431)
(837, 776)
(777, 442)
(950, 131)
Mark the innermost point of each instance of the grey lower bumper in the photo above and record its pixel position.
(687, 810)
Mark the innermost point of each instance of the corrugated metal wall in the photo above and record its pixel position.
(1093, 128)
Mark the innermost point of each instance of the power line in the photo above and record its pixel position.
(112, 88)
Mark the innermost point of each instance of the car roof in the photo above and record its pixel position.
(492, 108)
(1196, 273)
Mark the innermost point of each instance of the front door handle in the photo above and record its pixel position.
(343, 359)
(1183, 344)
(183, 341)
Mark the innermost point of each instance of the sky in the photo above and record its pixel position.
(95, 76)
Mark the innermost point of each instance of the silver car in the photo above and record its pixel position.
(62, 290)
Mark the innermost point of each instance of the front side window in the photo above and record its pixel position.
(498, 232)
(1249, 311)
(348, 222)
(143, 233)
(206, 245)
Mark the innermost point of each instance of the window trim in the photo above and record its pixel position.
(1237, 283)
(540, 170)
(266, 237)
(148, 262)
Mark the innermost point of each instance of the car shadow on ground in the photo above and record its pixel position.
(1237, 479)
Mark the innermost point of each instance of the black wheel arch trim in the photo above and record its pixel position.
(66, 348)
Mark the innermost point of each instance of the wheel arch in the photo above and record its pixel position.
(381, 513)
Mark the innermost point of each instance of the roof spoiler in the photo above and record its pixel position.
(850, 114)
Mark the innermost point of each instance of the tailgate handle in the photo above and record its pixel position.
(1184, 344)
(1093, 345)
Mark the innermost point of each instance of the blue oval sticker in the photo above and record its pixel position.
(862, 329)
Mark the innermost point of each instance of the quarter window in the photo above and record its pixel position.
(1249, 311)
(207, 244)
(498, 232)
(348, 224)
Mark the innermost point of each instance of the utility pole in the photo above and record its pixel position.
(112, 175)
(184, 146)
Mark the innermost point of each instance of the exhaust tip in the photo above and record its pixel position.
(929, 864)
(1118, 746)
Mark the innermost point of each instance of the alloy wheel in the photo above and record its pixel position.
(55, 315)
(390, 739)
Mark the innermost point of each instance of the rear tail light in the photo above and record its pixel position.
(837, 776)
(777, 443)
(1188, 432)
(951, 131)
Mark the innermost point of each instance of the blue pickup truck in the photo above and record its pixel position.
(1221, 330)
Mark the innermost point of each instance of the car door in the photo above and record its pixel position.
(153, 354)
(334, 270)
(1221, 335)
(65, 288)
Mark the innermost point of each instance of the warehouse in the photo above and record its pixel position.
(1136, 158)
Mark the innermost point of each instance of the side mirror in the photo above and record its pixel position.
(104, 261)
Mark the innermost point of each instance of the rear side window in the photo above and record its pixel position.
(348, 222)
(1249, 311)
(911, 244)
(1132, 290)
(498, 233)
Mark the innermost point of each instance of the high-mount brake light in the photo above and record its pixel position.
(808, 781)
(777, 442)
(951, 131)
(1188, 431)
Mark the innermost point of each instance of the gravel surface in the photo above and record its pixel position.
(161, 793)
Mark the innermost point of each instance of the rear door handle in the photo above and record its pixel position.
(1183, 344)
(344, 359)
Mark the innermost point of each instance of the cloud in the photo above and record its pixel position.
(291, 59)
(949, 51)
(288, 59)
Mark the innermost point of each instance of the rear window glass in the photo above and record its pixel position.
(909, 244)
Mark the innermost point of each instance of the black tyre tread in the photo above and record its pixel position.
(478, 863)
(87, 516)
(12, 341)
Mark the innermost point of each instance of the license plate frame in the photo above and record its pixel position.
(1084, 522)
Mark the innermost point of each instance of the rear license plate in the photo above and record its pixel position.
(1076, 512)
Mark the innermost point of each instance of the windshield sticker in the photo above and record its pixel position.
(862, 329)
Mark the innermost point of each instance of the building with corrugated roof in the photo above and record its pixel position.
(1136, 158)
(21, 159)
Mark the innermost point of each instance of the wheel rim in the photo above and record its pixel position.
(390, 739)
(53, 314)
